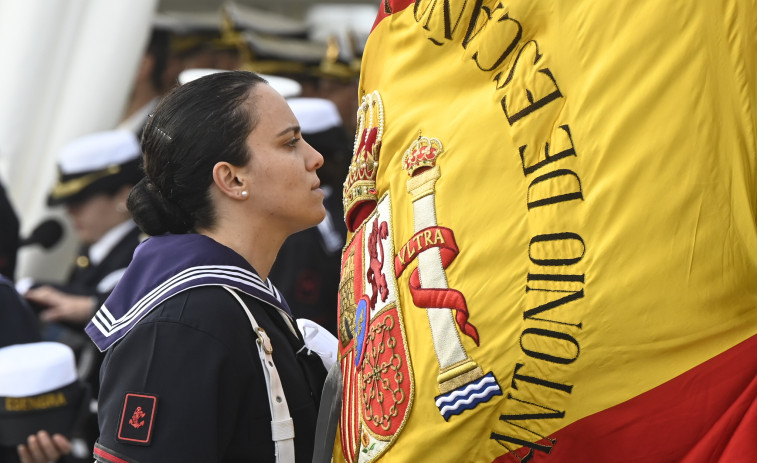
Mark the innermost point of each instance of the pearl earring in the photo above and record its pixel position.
(244, 194)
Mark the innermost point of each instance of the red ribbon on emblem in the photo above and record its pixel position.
(435, 298)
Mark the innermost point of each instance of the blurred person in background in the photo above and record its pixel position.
(9, 235)
(157, 74)
(307, 267)
(278, 45)
(18, 325)
(96, 173)
(41, 401)
(199, 42)
(338, 81)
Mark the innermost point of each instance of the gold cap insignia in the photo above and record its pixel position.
(64, 189)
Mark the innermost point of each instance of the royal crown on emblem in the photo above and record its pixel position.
(360, 193)
(422, 153)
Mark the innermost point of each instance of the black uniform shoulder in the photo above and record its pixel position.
(209, 309)
(193, 359)
(195, 354)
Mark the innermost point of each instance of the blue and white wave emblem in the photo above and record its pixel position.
(468, 396)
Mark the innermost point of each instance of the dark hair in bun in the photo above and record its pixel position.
(195, 126)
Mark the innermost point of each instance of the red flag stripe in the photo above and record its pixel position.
(349, 408)
(707, 414)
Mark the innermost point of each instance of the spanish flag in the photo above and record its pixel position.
(553, 234)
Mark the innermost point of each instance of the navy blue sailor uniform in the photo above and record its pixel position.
(183, 381)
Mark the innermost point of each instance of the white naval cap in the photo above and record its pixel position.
(39, 389)
(288, 88)
(98, 151)
(315, 114)
(35, 368)
(100, 162)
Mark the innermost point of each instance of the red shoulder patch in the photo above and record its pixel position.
(137, 418)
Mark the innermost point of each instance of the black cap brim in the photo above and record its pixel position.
(72, 189)
(55, 412)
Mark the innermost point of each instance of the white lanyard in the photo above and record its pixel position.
(282, 426)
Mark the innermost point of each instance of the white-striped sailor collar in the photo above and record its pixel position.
(164, 266)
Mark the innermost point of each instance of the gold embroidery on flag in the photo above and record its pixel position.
(378, 374)
(359, 195)
(462, 383)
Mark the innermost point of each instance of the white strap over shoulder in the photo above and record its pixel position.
(282, 426)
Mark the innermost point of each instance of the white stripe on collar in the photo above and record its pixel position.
(107, 324)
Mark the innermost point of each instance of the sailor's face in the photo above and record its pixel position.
(94, 216)
(284, 186)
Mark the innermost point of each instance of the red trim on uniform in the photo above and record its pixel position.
(394, 5)
(708, 413)
(111, 458)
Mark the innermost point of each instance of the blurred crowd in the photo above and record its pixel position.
(315, 68)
